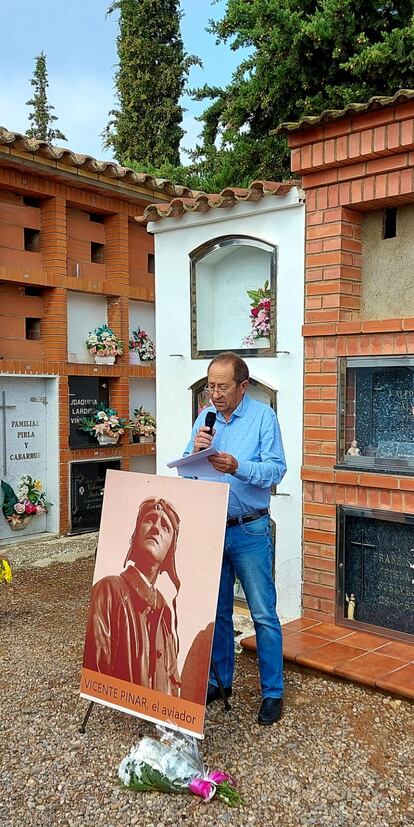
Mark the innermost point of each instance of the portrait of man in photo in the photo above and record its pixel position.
(132, 631)
(153, 599)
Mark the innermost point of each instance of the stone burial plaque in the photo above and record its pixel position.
(378, 565)
(87, 487)
(385, 411)
(23, 442)
(85, 394)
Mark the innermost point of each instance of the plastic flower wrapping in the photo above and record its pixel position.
(142, 342)
(260, 303)
(104, 342)
(28, 501)
(172, 763)
(104, 421)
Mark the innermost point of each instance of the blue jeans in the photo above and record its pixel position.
(248, 553)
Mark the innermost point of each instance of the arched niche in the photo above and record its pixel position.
(222, 272)
(256, 390)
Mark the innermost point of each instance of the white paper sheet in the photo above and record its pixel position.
(195, 465)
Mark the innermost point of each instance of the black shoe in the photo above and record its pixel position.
(270, 711)
(213, 693)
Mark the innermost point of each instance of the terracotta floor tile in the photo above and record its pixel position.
(368, 667)
(328, 656)
(365, 640)
(330, 631)
(400, 682)
(299, 624)
(300, 642)
(398, 649)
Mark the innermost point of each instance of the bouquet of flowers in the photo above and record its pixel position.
(143, 423)
(104, 422)
(6, 575)
(259, 315)
(172, 764)
(29, 501)
(104, 342)
(143, 344)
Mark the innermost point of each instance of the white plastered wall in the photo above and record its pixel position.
(278, 221)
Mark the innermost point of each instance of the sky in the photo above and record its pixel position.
(79, 41)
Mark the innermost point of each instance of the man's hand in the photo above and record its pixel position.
(224, 463)
(203, 439)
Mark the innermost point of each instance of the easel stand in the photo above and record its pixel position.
(224, 698)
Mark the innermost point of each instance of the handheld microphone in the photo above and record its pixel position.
(210, 420)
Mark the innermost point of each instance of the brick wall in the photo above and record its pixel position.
(63, 214)
(348, 166)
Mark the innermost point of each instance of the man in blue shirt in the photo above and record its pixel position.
(251, 459)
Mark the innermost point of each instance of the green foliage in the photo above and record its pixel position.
(151, 779)
(10, 499)
(151, 77)
(305, 56)
(41, 118)
(257, 296)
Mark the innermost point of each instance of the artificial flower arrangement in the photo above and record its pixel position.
(6, 575)
(142, 344)
(259, 315)
(29, 501)
(172, 764)
(103, 342)
(105, 425)
(143, 425)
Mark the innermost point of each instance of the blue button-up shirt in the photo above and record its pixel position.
(252, 436)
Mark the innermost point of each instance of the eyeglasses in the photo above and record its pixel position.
(220, 389)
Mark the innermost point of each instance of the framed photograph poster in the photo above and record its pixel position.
(154, 596)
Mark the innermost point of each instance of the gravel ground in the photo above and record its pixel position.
(341, 755)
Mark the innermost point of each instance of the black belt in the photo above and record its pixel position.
(255, 515)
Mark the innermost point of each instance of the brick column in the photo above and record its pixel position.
(53, 239)
(54, 325)
(116, 252)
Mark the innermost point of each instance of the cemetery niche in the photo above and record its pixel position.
(376, 420)
(29, 497)
(233, 297)
(87, 482)
(376, 570)
(85, 394)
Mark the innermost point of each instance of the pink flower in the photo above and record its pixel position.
(202, 787)
(219, 777)
(19, 508)
(39, 509)
(254, 311)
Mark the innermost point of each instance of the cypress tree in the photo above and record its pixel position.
(151, 77)
(42, 118)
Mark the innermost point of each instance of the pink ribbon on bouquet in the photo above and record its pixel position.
(206, 787)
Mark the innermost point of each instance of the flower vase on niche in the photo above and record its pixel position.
(141, 348)
(104, 439)
(134, 358)
(143, 426)
(29, 501)
(104, 345)
(259, 336)
(105, 425)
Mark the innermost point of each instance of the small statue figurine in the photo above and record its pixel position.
(353, 451)
(351, 606)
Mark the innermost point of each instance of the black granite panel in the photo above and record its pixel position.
(379, 571)
(87, 487)
(385, 411)
(85, 394)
